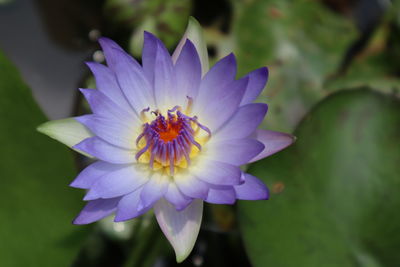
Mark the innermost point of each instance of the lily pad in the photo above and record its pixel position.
(302, 43)
(335, 193)
(36, 205)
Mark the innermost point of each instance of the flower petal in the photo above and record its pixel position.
(153, 190)
(190, 186)
(96, 210)
(215, 83)
(118, 182)
(104, 151)
(257, 81)
(221, 195)
(243, 123)
(251, 189)
(180, 227)
(215, 112)
(194, 33)
(273, 142)
(165, 89)
(92, 173)
(108, 85)
(188, 74)
(133, 82)
(216, 172)
(67, 131)
(235, 151)
(113, 131)
(128, 207)
(105, 107)
(149, 56)
(110, 49)
(175, 197)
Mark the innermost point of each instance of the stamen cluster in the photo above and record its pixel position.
(170, 140)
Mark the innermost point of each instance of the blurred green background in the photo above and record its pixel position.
(334, 82)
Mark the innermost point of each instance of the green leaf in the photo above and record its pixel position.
(301, 42)
(36, 205)
(335, 193)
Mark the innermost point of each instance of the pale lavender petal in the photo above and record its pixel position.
(257, 81)
(180, 227)
(153, 190)
(92, 173)
(119, 182)
(103, 106)
(195, 34)
(243, 123)
(236, 152)
(108, 85)
(216, 172)
(216, 80)
(175, 197)
(149, 56)
(188, 73)
(128, 207)
(105, 151)
(165, 89)
(133, 82)
(110, 50)
(191, 186)
(251, 189)
(273, 142)
(96, 210)
(215, 112)
(113, 131)
(221, 195)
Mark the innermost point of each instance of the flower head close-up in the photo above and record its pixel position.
(168, 134)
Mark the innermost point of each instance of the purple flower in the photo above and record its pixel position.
(168, 135)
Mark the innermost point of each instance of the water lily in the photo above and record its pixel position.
(167, 135)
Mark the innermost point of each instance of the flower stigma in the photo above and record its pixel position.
(170, 142)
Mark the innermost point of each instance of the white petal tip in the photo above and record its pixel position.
(180, 227)
(67, 131)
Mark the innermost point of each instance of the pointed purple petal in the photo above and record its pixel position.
(106, 152)
(92, 173)
(133, 82)
(153, 190)
(128, 207)
(195, 34)
(236, 152)
(216, 80)
(273, 142)
(118, 182)
(96, 210)
(113, 131)
(108, 85)
(257, 81)
(191, 186)
(214, 112)
(221, 195)
(110, 50)
(188, 73)
(103, 106)
(216, 172)
(251, 189)
(175, 197)
(149, 56)
(243, 123)
(165, 89)
(180, 227)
